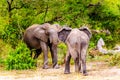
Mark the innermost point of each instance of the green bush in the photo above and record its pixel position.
(62, 49)
(1, 62)
(11, 35)
(20, 58)
(115, 60)
(4, 50)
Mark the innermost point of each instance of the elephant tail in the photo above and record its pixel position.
(74, 54)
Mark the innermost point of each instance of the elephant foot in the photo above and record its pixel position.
(80, 71)
(56, 66)
(66, 72)
(46, 67)
(85, 74)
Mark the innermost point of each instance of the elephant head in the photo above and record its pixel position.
(57, 27)
(53, 31)
(63, 33)
(46, 32)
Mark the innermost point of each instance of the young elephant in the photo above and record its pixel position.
(77, 41)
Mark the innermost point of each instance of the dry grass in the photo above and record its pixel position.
(96, 71)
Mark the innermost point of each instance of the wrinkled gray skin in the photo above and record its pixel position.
(40, 37)
(77, 41)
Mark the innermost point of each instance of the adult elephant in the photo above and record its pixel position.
(40, 37)
(77, 41)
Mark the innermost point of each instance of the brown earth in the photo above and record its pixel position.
(96, 71)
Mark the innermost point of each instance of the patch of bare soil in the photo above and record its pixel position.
(96, 71)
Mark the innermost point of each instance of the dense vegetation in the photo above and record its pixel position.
(20, 58)
(99, 15)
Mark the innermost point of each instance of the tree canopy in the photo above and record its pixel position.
(17, 15)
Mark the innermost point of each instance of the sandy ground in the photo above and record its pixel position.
(96, 71)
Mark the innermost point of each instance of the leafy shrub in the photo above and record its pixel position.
(62, 49)
(115, 60)
(11, 35)
(1, 62)
(4, 50)
(20, 58)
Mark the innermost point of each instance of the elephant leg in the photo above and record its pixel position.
(53, 50)
(76, 64)
(67, 63)
(84, 67)
(38, 52)
(45, 54)
(83, 60)
(80, 65)
(80, 70)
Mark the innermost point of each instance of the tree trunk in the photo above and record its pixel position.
(9, 2)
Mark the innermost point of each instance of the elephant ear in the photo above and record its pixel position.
(86, 30)
(57, 27)
(40, 33)
(45, 26)
(63, 33)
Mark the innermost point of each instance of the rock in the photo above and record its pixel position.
(100, 45)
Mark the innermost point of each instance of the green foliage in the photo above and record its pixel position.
(1, 62)
(98, 14)
(105, 15)
(4, 50)
(20, 58)
(11, 35)
(115, 60)
(62, 49)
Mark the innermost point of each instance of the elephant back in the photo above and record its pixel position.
(31, 28)
(41, 33)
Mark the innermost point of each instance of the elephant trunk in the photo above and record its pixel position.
(54, 40)
(53, 36)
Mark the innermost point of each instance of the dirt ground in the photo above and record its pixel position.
(96, 71)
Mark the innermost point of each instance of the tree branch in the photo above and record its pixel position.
(16, 8)
(9, 5)
(90, 5)
(11, 1)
